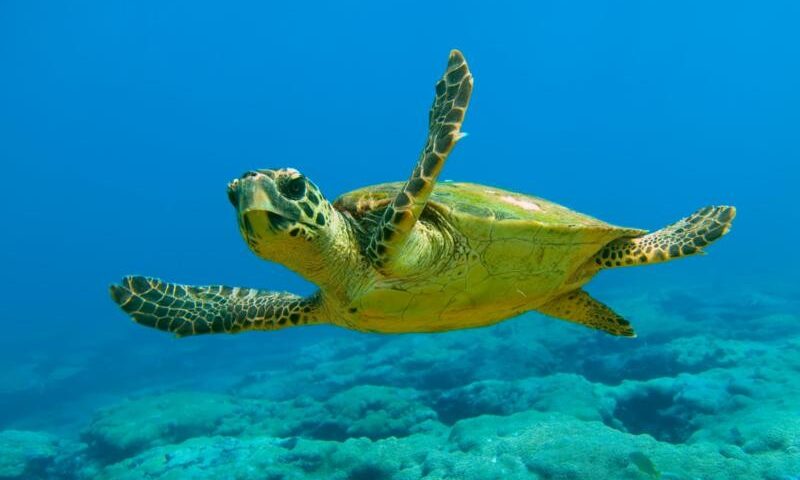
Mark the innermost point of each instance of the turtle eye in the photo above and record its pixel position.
(294, 188)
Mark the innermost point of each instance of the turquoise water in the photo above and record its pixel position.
(121, 124)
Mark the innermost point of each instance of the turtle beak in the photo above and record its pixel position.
(256, 193)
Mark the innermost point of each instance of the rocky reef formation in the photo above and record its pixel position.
(710, 390)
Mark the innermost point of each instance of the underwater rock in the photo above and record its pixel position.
(130, 427)
(680, 355)
(760, 429)
(204, 458)
(420, 362)
(670, 409)
(281, 385)
(27, 455)
(566, 393)
(531, 398)
(558, 446)
(428, 363)
(276, 459)
(520, 446)
(370, 411)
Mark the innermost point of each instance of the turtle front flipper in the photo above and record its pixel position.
(444, 130)
(187, 310)
(577, 306)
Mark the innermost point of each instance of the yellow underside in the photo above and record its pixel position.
(499, 254)
(499, 278)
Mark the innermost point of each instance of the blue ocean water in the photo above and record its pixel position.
(122, 122)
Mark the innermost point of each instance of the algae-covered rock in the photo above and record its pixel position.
(135, 425)
(527, 445)
(558, 446)
(388, 459)
(566, 393)
(205, 458)
(671, 409)
(369, 411)
(756, 430)
(26, 455)
(531, 398)
(278, 459)
(372, 412)
(692, 354)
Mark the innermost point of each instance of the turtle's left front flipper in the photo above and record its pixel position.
(186, 310)
(453, 92)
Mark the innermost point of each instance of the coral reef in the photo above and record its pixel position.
(36, 455)
(528, 399)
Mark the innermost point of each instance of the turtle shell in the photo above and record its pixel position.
(515, 253)
(475, 209)
(511, 235)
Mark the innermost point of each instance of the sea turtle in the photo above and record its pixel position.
(416, 256)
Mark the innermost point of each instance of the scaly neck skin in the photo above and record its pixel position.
(336, 260)
(329, 260)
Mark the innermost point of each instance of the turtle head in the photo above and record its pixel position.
(281, 214)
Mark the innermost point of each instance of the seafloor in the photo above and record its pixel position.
(709, 390)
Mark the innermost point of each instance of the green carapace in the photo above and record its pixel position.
(416, 256)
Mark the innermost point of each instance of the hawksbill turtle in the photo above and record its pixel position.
(416, 256)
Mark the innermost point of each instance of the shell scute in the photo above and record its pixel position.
(472, 207)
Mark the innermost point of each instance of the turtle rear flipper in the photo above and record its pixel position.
(187, 310)
(687, 236)
(578, 307)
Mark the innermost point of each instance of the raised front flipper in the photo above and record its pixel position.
(579, 307)
(444, 130)
(186, 310)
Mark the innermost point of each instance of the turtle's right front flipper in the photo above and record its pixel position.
(186, 310)
(453, 92)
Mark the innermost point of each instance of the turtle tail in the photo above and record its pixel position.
(685, 237)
